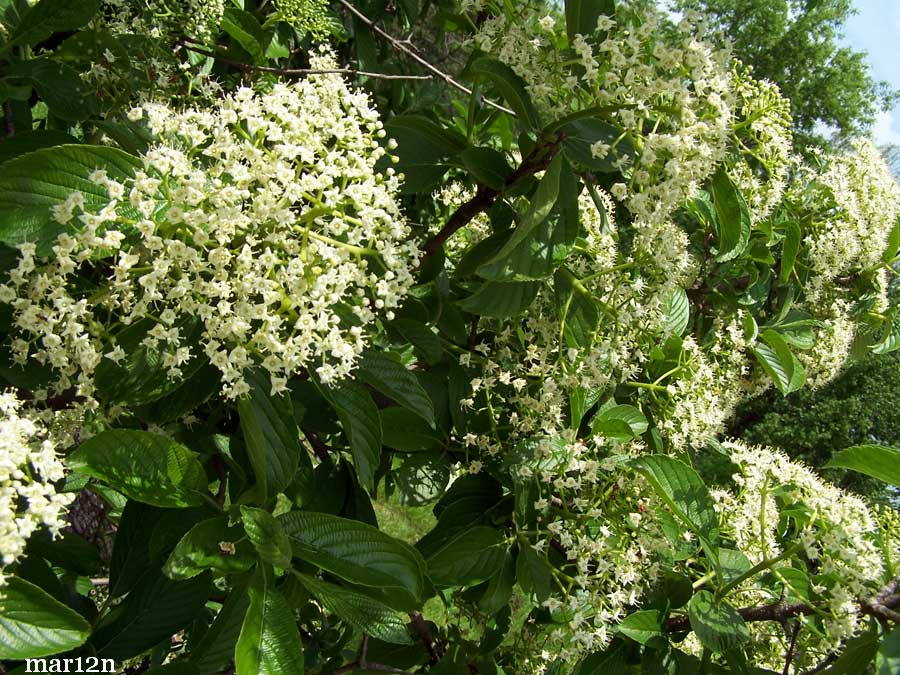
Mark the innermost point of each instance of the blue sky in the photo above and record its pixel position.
(876, 30)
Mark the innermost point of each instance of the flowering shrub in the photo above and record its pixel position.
(266, 282)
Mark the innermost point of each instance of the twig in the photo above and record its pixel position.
(537, 160)
(789, 658)
(402, 46)
(883, 606)
(362, 663)
(423, 632)
(184, 42)
(100, 581)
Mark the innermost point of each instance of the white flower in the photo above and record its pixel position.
(278, 236)
(28, 468)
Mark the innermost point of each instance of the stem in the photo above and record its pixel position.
(756, 569)
(646, 385)
(187, 44)
(400, 46)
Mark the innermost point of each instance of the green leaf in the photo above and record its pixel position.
(678, 312)
(532, 573)
(717, 624)
(358, 553)
(582, 15)
(887, 661)
(424, 138)
(500, 587)
(424, 150)
(539, 209)
(577, 311)
(731, 564)
(642, 626)
(33, 624)
(22, 144)
(51, 16)
(426, 342)
(683, 490)
(271, 436)
(157, 609)
(202, 549)
(613, 659)
(405, 431)
(878, 461)
(386, 374)
(501, 299)
(265, 533)
(473, 555)
(361, 424)
(141, 378)
(893, 245)
(732, 216)
(619, 422)
(144, 466)
(58, 85)
(581, 135)
(131, 550)
(538, 252)
(858, 653)
(32, 183)
(791, 247)
(269, 643)
(67, 550)
(511, 88)
(580, 401)
(891, 337)
(487, 166)
(215, 648)
(779, 362)
(246, 31)
(359, 610)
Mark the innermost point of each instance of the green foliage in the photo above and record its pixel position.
(538, 285)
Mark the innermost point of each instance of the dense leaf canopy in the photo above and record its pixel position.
(272, 273)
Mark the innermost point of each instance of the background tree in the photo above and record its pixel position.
(856, 408)
(795, 44)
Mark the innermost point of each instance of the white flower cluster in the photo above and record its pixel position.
(761, 133)
(682, 90)
(834, 338)
(835, 533)
(197, 18)
(615, 561)
(264, 217)
(28, 467)
(856, 202)
(708, 386)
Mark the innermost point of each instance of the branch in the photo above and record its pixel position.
(883, 606)
(188, 44)
(402, 46)
(537, 160)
